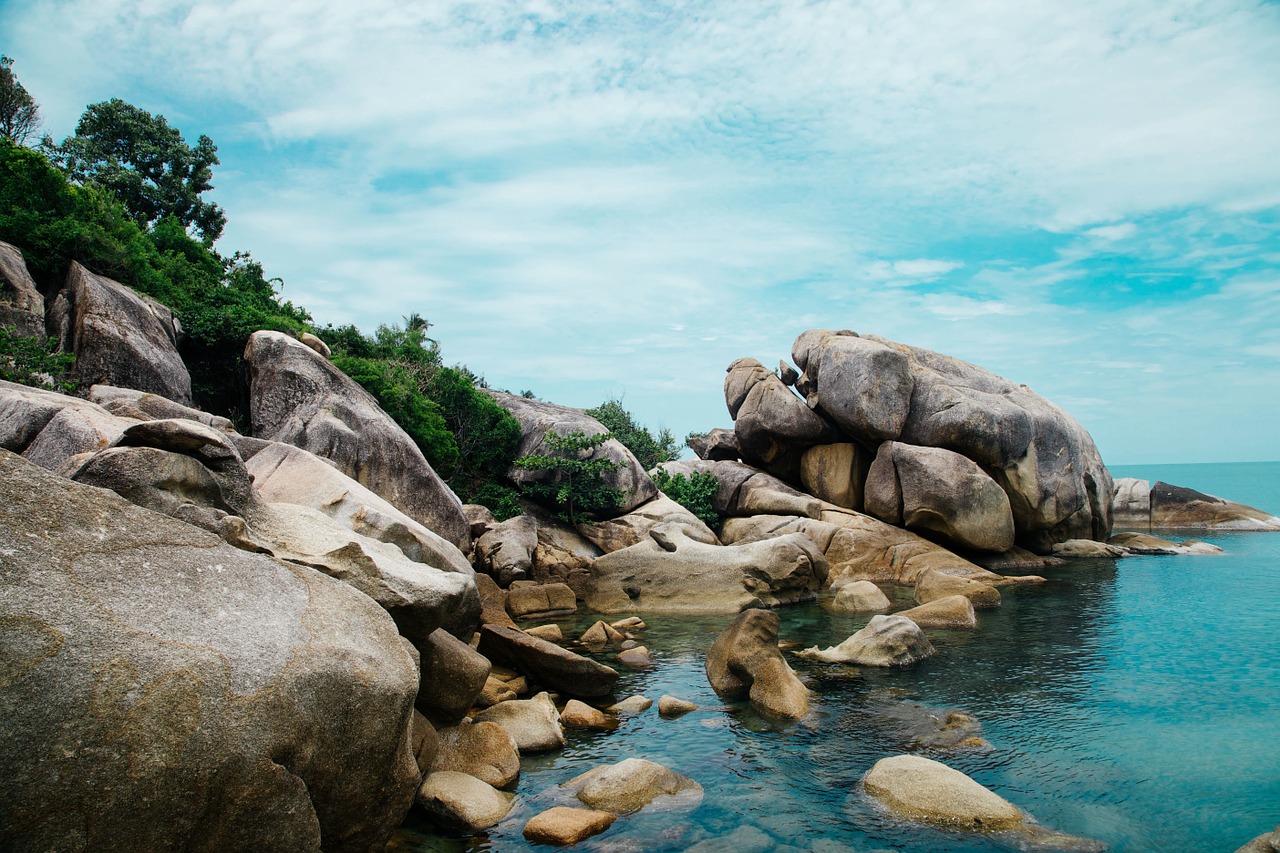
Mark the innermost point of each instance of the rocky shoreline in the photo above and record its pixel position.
(285, 640)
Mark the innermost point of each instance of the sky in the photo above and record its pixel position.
(595, 200)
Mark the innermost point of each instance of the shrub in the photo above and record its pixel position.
(648, 448)
(34, 361)
(576, 485)
(695, 493)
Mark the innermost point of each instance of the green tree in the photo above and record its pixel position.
(19, 114)
(649, 449)
(145, 163)
(34, 361)
(576, 484)
(695, 493)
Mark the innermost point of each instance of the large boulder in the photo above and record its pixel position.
(505, 551)
(878, 390)
(1131, 503)
(773, 426)
(745, 663)
(626, 530)
(49, 428)
(885, 641)
(949, 611)
(483, 750)
(21, 305)
(167, 689)
(933, 585)
(716, 445)
(452, 675)
(547, 663)
(671, 573)
(534, 724)
(860, 597)
(299, 398)
(938, 491)
(458, 802)
(836, 473)
(538, 418)
(145, 406)
(119, 337)
(283, 473)
(1179, 507)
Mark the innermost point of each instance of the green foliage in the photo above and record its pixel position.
(219, 301)
(145, 163)
(576, 482)
(486, 434)
(34, 361)
(19, 115)
(649, 449)
(502, 501)
(695, 493)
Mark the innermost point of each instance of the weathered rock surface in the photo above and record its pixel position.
(538, 600)
(534, 724)
(933, 585)
(297, 397)
(773, 426)
(582, 716)
(483, 750)
(630, 785)
(552, 666)
(562, 825)
(885, 641)
(857, 547)
(636, 657)
(168, 689)
(860, 597)
(1178, 507)
(1145, 543)
(315, 343)
(1131, 503)
(878, 390)
(21, 304)
(626, 530)
(538, 418)
(745, 662)
(283, 473)
(549, 632)
(49, 428)
(919, 726)
(1088, 549)
(144, 406)
(937, 490)
(836, 473)
(671, 573)
(1268, 842)
(674, 706)
(632, 705)
(452, 675)
(600, 634)
(718, 444)
(462, 803)
(119, 337)
(950, 611)
(505, 551)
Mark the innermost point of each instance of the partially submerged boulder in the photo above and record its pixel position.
(933, 585)
(860, 597)
(552, 666)
(885, 641)
(119, 337)
(299, 398)
(632, 784)
(950, 611)
(937, 490)
(538, 418)
(484, 750)
(461, 803)
(534, 724)
(671, 573)
(1145, 543)
(203, 696)
(562, 825)
(744, 662)
(1178, 507)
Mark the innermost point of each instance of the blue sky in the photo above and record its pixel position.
(595, 200)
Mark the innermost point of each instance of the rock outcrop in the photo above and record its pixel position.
(671, 573)
(21, 305)
(49, 428)
(885, 641)
(745, 663)
(937, 491)
(538, 418)
(772, 425)
(626, 530)
(118, 336)
(297, 397)
(166, 688)
(1176, 507)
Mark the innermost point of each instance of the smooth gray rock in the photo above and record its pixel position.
(718, 444)
(483, 750)
(297, 397)
(671, 573)
(538, 418)
(459, 802)
(1131, 503)
(119, 337)
(933, 585)
(164, 688)
(860, 597)
(885, 641)
(937, 490)
(534, 724)
(626, 530)
(632, 784)
(506, 550)
(773, 426)
(49, 428)
(528, 600)
(21, 304)
(452, 674)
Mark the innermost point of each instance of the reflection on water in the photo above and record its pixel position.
(1135, 702)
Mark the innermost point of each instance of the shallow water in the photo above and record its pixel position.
(1135, 702)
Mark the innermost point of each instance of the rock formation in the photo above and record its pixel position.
(21, 305)
(744, 662)
(885, 641)
(1148, 506)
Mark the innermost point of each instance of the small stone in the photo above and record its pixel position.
(631, 623)
(600, 634)
(583, 716)
(462, 802)
(628, 644)
(563, 825)
(632, 705)
(518, 685)
(550, 633)
(670, 706)
(637, 657)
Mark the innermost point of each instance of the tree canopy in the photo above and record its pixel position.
(648, 448)
(145, 163)
(19, 114)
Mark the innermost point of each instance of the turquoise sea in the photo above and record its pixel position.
(1136, 702)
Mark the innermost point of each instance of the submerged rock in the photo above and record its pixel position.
(933, 585)
(534, 724)
(885, 641)
(1268, 842)
(561, 825)
(630, 785)
(951, 611)
(1145, 543)
(672, 706)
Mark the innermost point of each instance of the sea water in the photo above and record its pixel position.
(1135, 702)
